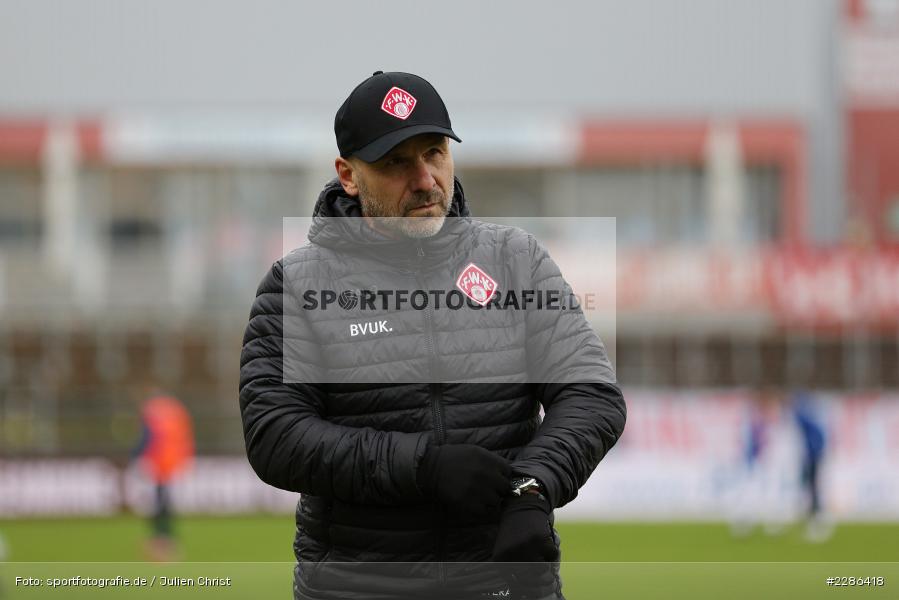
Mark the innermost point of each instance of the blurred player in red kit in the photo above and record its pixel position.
(166, 448)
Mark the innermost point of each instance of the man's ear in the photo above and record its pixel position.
(345, 175)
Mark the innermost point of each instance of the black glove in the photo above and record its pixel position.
(466, 478)
(524, 531)
(525, 546)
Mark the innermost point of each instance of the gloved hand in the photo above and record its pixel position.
(525, 546)
(466, 478)
(524, 531)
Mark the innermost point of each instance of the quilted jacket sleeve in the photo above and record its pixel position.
(289, 443)
(584, 408)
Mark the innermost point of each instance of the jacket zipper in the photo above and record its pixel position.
(436, 393)
(433, 364)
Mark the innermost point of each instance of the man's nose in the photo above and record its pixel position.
(422, 178)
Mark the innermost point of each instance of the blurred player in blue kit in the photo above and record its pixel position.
(782, 450)
(813, 444)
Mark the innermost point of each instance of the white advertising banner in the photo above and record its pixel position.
(213, 485)
(683, 456)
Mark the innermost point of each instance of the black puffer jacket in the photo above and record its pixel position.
(345, 420)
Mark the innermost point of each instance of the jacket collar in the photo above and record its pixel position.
(334, 202)
(337, 224)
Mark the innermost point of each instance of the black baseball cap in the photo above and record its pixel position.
(386, 109)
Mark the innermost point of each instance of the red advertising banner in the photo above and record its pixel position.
(836, 287)
(810, 287)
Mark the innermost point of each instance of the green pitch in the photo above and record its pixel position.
(599, 560)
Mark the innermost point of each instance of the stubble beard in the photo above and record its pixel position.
(395, 220)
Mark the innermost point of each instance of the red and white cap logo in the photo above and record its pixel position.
(398, 103)
(476, 284)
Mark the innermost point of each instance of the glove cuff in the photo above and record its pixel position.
(526, 502)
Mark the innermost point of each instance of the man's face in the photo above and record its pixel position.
(410, 189)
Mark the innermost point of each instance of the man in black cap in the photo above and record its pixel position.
(412, 430)
(394, 153)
